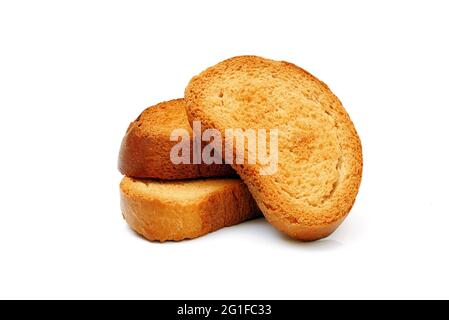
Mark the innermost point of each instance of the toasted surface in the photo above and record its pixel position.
(177, 210)
(320, 155)
(145, 149)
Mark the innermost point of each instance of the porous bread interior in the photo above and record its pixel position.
(163, 118)
(320, 160)
(184, 191)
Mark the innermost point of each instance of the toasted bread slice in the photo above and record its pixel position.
(145, 150)
(184, 209)
(320, 155)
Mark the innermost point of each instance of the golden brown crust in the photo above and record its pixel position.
(320, 154)
(145, 149)
(193, 209)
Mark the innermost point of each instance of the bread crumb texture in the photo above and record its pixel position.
(320, 154)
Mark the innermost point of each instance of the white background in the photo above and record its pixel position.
(73, 74)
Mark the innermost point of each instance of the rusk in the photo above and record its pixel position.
(320, 154)
(145, 149)
(184, 209)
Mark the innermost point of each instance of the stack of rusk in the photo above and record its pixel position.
(319, 156)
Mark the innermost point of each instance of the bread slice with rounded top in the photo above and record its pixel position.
(145, 149)
(319, 152)
(184, 209)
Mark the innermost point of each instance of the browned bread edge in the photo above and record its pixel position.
(145, 152)
(159, 219)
